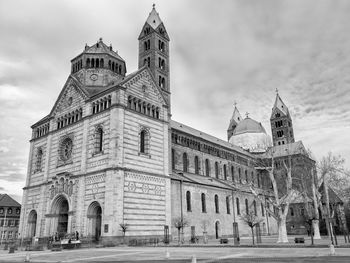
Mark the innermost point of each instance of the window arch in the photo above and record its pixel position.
(207, 167)
(196, 165)
(233, 173)
(217, 170)
(204, 205)
(246, 207)
(185, 162)
(144, 141)
(237, 206)
(188, 201)
(239, 175)
(216, 200)
(99, 140)
(39, 158)
(228, 210)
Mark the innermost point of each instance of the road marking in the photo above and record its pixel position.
(107, 256)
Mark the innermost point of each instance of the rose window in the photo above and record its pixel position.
(66, 149)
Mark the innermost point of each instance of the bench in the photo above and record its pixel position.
(299, 240)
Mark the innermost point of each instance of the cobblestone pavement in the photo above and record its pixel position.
(182, 254)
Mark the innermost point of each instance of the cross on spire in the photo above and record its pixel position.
(235, 103)
(247, 114)
(276, 90)
(154, 5)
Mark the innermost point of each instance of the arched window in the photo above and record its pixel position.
(262, 210)
(204, 205)
(99, 140)
(101, 63)
(216, 170)
(188, 201)
(246, 207)
(88, 62)
(185, 162)
(92, 63)
(255, 210)
(173, 159)
(239, 175)
(258, 179)
(237, 206)
(196, 165)
(233, 173)
(291, 211)
(97, 63)
(228, 210)
(246, 176)
(225, 172)
(252, 178)
(39, 158)
(144, 141)
(216, 198)
(207, 167)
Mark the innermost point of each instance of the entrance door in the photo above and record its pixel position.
(62, 226)
(32, 224)
(98, 222)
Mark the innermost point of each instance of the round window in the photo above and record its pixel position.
(66, 149)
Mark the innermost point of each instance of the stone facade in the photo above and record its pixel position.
(108, 154)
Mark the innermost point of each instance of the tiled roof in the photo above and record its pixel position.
(101, 47)
(6, 200)
(285, 150)
(187, 129)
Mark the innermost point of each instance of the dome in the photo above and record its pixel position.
(250, 135)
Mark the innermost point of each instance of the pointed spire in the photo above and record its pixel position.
(236, 116)
(279, 104)
(153, 19)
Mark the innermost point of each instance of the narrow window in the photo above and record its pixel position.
(225, 172)
(185, 162)
(237, 206)
(99, 140)
(207, 167)
(196, 165)
(246, 206)
(246, 176)
(216, 204)
(255, 210)
(216, 170)
(142, 141)
(173, 159)
(39, 157)
(188, 201)
(228, 210)
(204, 205)
(233, 173)
(239, 175)
(291, 211)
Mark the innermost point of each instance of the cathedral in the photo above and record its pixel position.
(108, 155)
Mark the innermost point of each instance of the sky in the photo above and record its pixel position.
(220, 52)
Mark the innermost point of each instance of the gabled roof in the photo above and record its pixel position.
(279, 104)
(6, 200)
(189, 130)
(285, 150)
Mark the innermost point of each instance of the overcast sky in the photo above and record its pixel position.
(220, 52)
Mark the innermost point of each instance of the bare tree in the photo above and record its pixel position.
(251, 220)
(281, 181)
(180, 223)
(124, 228)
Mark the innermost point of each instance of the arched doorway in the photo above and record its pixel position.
(217, 229)
(95, 218)
(62, 226)
(32, 223)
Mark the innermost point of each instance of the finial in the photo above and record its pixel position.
(276, 90)
(100, 39)
(154, 5)
(235, 103)
(247, 114)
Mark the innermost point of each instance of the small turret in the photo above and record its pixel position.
(235, 119)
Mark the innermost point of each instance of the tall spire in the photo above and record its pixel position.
(279, 104)
(153, 19)
(235, 119)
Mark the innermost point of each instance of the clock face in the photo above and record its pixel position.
(93, 77)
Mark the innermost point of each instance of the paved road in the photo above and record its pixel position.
(182, 254)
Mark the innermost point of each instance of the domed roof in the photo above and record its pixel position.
(249, 125)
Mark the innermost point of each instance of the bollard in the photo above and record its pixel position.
(332, 250)
(194, 259)
(27, 258)
(167, 254)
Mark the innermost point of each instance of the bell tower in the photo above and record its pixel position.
(281, 123)
(154, 51)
